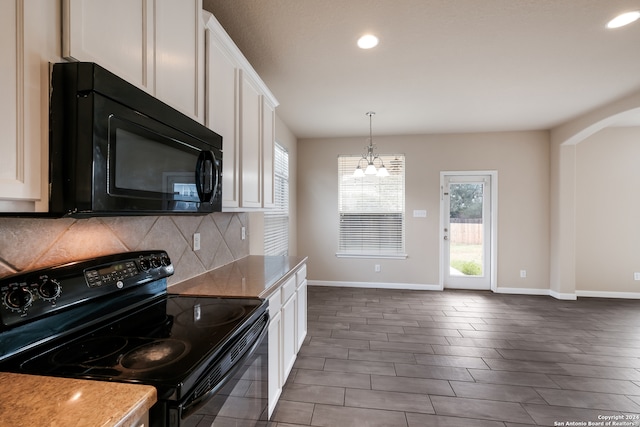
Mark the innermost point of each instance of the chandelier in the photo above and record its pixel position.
(370, 157)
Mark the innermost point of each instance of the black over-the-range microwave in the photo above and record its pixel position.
(116, 150)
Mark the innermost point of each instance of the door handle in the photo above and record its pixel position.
(205, 167)
(446, 237)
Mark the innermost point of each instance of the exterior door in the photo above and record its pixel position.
(467, 231)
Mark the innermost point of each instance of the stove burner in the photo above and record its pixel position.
(87, 351)
(154, 354)
(213, 314)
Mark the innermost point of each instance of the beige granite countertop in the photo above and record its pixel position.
(251, 276)
(31, 400)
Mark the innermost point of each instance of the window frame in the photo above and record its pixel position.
(277, 219)
(392, 246)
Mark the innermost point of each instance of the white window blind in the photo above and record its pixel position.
(276, 220)
(371, 209)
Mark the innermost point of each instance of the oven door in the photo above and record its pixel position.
(237, 397)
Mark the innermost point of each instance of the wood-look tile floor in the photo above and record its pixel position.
(377, 357)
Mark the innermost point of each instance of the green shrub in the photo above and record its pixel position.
(468, 268)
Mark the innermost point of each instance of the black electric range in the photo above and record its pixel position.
(112, 319)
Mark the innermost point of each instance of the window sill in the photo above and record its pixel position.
(371, 256)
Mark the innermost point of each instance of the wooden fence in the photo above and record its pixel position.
(466, 233)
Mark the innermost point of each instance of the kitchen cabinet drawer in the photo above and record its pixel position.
(288, 289)
(301, 275)
(275, 303)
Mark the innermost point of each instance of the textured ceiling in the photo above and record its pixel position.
(441, 65)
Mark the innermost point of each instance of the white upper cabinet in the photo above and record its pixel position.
(157, 45)
(268, 154)
(250, 145)
(246, 122)
(222, 109)
(179, 56)
(117, 34)
(29, 40)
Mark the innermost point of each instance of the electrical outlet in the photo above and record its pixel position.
(523, 274)
(377, 268)
(196, 241)
(636, 276)
(243, 233)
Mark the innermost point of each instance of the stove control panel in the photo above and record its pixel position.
(19, 296)
(119, 272)
(29, 295)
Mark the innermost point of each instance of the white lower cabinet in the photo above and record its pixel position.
(275, 372)
(288, 327)
(301, 314)
(289, 349)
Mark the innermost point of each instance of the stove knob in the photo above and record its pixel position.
(18, 298)
(49, 289)
(144, 264)
(155, 262)
(164, 260)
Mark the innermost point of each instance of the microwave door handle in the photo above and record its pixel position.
(218, 173)
(204, 194)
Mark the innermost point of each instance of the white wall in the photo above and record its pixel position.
(607, 211)
(521, 159)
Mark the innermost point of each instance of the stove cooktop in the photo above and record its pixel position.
(112, 319)
(163, 344)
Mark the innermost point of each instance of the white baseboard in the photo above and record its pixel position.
(376, 285)
(536, 291)
(500, 290)
(605, 294)
(522, 291)
(564, 296)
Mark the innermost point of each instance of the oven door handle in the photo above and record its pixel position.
(200, 401)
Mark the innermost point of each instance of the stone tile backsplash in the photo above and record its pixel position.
(29, 243)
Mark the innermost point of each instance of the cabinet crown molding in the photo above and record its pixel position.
(219, 33)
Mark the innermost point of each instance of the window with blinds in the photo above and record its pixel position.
(371, 209)
(276, 220)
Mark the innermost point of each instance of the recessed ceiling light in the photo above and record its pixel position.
(367, 41)
(624, 19)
